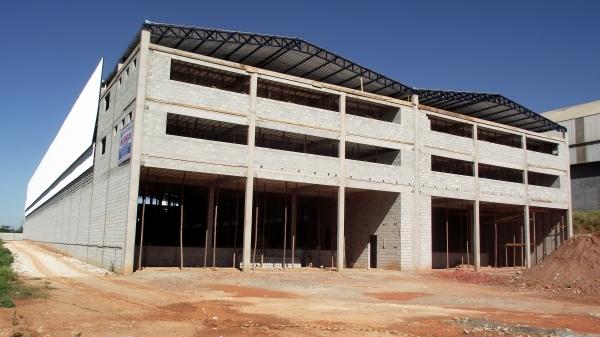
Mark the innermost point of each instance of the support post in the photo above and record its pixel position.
(181, 222)
(142, 229)
(294, 223)
(340, 227)
(135, 163)
(476, 240)
(285, 220)
(208, 233)
(248, 202)
(476, 236)
(214, 246)
(526, 218)
(341, 202)
(535, 248)
(447, 241)
(495, 239)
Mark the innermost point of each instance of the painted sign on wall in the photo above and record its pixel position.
(125, 144)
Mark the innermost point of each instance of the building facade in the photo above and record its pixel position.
(218, 148)
(583, 121)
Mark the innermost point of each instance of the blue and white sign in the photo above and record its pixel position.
(125, 144)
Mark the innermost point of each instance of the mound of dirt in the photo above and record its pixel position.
(575, 264)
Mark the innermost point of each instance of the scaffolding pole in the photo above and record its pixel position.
(214, 254)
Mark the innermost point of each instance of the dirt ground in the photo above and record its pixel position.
(81, 300)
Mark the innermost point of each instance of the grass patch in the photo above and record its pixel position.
(10, 287)
(586, 222)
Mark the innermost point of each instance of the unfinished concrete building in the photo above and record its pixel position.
(228, 149)
(583, 121)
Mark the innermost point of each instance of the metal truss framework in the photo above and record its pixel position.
(294, 56)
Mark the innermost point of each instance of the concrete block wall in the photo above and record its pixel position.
(62, 223)
(160, 87)
(558, 162)
(87, 219)
(374, 213)
(290, 113)
(500, 155)
(501, 192)
(11, 236)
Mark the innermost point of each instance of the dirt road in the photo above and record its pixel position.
(85, 301)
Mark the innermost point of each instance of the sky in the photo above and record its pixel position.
(542, 54)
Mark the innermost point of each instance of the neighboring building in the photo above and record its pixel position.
(212, 147)
(583, 122)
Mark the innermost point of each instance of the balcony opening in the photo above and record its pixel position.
(500, 173)
(449, 165)
(450, 127)
(296, 142)
(209, 77)
(499, 137)
(199, 128)
(373, 154)
(543, 179)
(371, 110)
(542, 146)
(291, 94)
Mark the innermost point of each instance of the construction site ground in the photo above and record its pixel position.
(80, 300)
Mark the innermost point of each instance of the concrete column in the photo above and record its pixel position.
(476, 237)
(526, 208)
(527, 237)
(567, 183)
(341, 242)
(476, 231)
(416, 225)
(248, 204)
(210, 216)
(341, 203)
(135, 162)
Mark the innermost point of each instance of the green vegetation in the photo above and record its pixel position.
(10, 287)
(586, 222)
(8, 229)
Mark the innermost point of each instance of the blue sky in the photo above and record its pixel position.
(543, 54)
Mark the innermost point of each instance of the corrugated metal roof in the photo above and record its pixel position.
(294, 56)
(575, 111)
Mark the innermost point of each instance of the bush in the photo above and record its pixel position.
(586, 222)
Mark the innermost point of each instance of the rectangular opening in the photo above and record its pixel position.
(543, 179)
(449, 165)
(106, 101)
(371, 110)
(373, 154)
(450, 127)
(451, 232)
(296, 142)
(542, 146)
(199, 128)
(499, 137)
(103, 145)
(500, 173)
(296, 95)
(209, 77)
